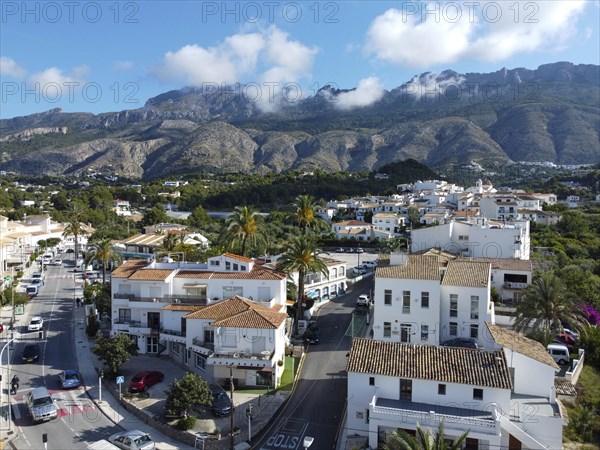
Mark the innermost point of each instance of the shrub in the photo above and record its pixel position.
(186, 423)
(92, 326)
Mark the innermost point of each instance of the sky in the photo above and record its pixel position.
(103, 56)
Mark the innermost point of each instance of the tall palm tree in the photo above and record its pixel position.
(243, 227)
(169, 242)
(305, 214)
(545, 305)
(302, 256)
(425, 440)
(75, 228)
(105, 252)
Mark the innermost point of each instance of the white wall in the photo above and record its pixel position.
(540, 384)
(463, 318)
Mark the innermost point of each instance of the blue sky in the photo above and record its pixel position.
(111, 56)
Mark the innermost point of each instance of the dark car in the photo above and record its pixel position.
(461, 342)
(221, 405)
(31, 352)
(311, 335)
(143, 380)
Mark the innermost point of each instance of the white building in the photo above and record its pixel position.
(122, 208)
(140, 290)
(234, 332)
(388, 222)
(573, 201)
(393, 386)
(479, 238)
(427, 299)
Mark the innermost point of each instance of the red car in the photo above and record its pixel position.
(566, 339)
(143, 380)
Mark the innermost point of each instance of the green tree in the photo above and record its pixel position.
(170, 241)
(154, 216)
(199, 218)
(192, 390)
(75, 228)
(583, 422)
(544, 306)
(104, 252)
(590, 341)
(425, 440)
(114, 351)
(305, 214)
(243, 227)
(302, 256)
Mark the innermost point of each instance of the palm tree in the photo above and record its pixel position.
(302, 256)
(243, 227)
(425, 440)
(305, 214)
(169, 242)
(545, 305)
(105, 252)
(75, 228)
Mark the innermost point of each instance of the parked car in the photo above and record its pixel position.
(566, 339)
(370, 264)
(363, 300)
(132, 440)
(37, 282)
(56, 262)
(36, 324)
(69, 379)
(340, 250)
(359, 250)
(461, 342)
(143, 380)
(559, 352)
(31, 353)
(359, 270)
(221, 404)
(32, 290)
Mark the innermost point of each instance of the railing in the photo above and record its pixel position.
(514, 285)
(169, 298)
(135, 324)
(172, 332)
(266, 355)
(203, 344)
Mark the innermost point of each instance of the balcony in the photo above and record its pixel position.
(172, 335)
(514, 285)
(134, 327)
(242, 358)
(165, 299)
(397, 412)
(202, 347)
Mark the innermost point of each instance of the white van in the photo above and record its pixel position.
(559, 353)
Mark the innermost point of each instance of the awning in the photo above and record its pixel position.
(194, 286)
(266, 369)
(259, 369)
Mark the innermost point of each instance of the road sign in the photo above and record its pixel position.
(19, 310)
(120, 380)
(7, 278)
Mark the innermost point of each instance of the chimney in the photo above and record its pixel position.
(398, 259)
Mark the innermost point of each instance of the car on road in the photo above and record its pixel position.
(69, 250)
(40, 405)
(31, 353)
(359, 270)
(221, 404)
(69, 379)
(141, 381)
(363, 300)
(132, 440)
(32, 290)
(56, 262)
(461, 342)
(35, 324)
(370, 264)
(36, 282)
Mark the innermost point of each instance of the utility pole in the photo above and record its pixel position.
(231, 394)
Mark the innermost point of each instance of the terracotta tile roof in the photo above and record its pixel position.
(189, 308)
(520, 344)
(193, 274)
(238, 257)
(427, 362)
(418, 268)
(239, 312)
(151, 274)
(507, 264)
(150, 239)
(128, 268)
(442, 256)
(352, 223)
(331, 261)
(467, 273)
(257, 273)
(564, 387)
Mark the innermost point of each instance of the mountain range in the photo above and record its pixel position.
(551, 113)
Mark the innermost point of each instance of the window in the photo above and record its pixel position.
(124, 315)
(387, 329)
(209, 335)
(424, 299)
(236, 267)
(463, 237)
(453, 329)
(477, 394)
(232, 291)
(200, 361)
(424, 333)
(387, 297)
(441, 389)
(406, 302)
(227, 265)
(405, 389)
(215, 263)
(474, 331)
(371, 381)
(175, 348)
(474, 307)
(405, 332)
(453, 305)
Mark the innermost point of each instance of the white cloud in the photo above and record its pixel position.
(123, 65)
(484, 32)
(55, 76)
(8, 67)
(368, 91)
(432, 85)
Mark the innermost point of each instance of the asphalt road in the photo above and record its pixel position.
(79, 420)
(317, 405)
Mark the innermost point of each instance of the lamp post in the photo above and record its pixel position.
(232, 408)
(308, 440)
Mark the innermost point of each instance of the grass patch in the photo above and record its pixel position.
(589, 381)
(289, 373)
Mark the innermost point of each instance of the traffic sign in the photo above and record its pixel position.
(120, 380)
(7, 278)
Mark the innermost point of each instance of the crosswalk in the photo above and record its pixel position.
(68, 402)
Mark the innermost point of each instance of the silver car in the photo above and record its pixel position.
(132, 440)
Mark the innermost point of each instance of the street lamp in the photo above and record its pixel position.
(308, 440)
(231, 366)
